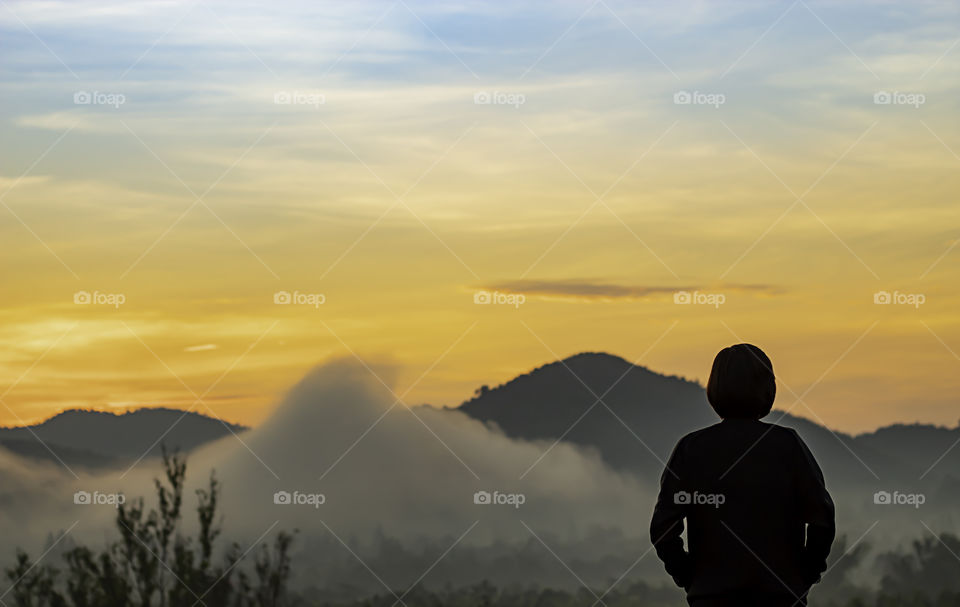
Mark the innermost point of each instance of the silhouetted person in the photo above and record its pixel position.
(759, 519)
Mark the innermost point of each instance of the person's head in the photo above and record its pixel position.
(742, 384)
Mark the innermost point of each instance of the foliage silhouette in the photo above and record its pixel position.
(154, 565)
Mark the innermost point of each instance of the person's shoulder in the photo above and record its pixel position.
(693, 436)
(784, 434)
(781, 430)
(707, 430)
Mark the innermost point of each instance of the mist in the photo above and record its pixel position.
(382, 494)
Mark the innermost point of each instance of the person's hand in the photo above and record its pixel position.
(684, 577)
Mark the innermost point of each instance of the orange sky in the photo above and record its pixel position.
(387, 193)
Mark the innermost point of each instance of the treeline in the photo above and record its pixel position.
(486, 594)
(153, 565)
(925, 575)
(637, 595)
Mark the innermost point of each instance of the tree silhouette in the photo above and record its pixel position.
(153, 565)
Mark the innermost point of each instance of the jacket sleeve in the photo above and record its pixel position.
(666, 526)
(817, 511)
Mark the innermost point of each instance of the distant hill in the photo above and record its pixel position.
(547, 403)
(97, 439)
(642, 416)
(645, 413)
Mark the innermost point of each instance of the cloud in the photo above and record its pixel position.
(384, 471)
(409, 474)
(8, 183)
(201, 348)
(70, 120)
(587, 290)
(413, 471)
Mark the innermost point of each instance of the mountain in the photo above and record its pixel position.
(644, 413)
(640, 418)
(97, 439)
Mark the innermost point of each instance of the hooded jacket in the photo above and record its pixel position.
(759, 518)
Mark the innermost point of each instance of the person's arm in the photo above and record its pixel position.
(666, 526)
(817, 510)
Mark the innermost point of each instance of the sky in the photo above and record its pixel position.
(200, 201)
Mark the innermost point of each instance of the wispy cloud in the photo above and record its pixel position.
(589, 290)
(201, 348)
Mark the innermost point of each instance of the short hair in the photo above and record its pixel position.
(742, 383)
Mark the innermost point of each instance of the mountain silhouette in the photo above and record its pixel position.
(628, 414)
(98, 439)
(644, 413)
(640, 417)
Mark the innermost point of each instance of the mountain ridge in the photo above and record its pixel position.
(630, 414)
(643, 413)
(97, 439)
